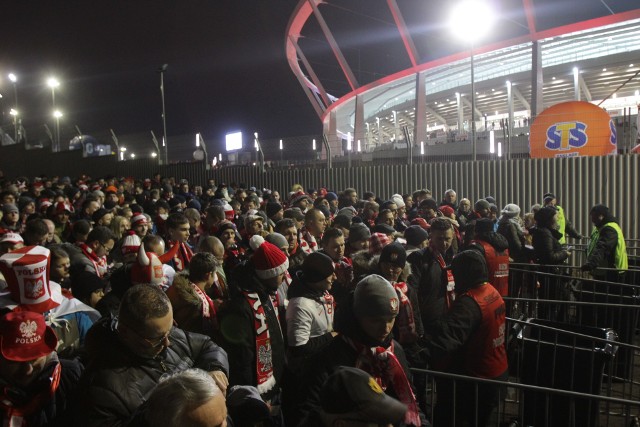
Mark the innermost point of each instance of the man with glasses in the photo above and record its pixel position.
(92, 255)
(128, 355)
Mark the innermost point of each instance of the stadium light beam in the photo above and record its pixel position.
(470, 20)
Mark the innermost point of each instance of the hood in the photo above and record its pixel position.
(498, 241)
(346, 323)
(300, 289)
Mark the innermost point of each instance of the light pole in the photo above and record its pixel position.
(14, 80)
(57, 114)
(470, 20)
(53, 83)
(165, 141)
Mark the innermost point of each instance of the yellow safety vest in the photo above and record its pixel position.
(621, 260)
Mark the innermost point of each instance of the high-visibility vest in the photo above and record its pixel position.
(621, 261)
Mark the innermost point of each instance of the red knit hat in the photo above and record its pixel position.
(131, 243)
(25, 336)
(268, 260)
(147, 269)
(26, 271)
(377, 242)
(446, 210)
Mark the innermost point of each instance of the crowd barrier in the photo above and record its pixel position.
(571, 345)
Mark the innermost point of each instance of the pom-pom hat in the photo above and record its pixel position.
(268, 260)
(131, 243)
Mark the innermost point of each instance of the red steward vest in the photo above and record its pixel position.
(485, 355)
(498, 266)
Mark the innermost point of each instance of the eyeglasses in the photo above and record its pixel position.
(106, 248)
(156, 342)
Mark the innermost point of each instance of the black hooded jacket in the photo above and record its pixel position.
(340, 353)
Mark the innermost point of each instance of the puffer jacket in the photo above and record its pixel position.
(118, 381)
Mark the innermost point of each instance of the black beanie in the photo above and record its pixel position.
(544, 216)
(395, 254)
(272, 208)
(316, 267)
(415, 235)
(469, 269)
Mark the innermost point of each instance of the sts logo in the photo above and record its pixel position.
(566, 135)
(613, 139)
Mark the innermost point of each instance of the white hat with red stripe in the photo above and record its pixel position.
(131, 243)
(229, 213)
(138, 219)
(26, 271)
(11, 237)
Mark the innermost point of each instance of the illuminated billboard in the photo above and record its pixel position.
(233, 141)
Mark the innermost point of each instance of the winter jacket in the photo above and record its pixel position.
(515, 238)
(54, 411)
(309, 321)
(430, 282)
(237, 326)
(340, 353)
(118, 381)
(546, 246)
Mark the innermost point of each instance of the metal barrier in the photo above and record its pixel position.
(513, 406)
(572, 357)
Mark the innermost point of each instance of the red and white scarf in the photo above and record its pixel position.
(383, 365)
(15, 416)
(450, 296)
(182, 258)
(405, 320)
(308, 243)
(99, 263)
(264, 353)
(208, 308)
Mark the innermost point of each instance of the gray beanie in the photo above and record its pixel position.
(277, 239)
(375, 297)
(482, 204)
(359, 231)
(511, 210)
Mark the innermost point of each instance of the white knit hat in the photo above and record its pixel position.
(398, 200)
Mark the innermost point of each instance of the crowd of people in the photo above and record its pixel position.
(162, 303)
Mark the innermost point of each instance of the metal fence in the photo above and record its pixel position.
(572, 351)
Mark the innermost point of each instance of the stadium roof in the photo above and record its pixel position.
(375, 48)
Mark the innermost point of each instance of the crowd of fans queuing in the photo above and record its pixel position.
(159, 302)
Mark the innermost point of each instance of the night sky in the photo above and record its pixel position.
(227, 68)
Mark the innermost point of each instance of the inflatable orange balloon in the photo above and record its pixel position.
(570, 129)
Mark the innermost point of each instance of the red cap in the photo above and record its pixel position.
(25, 336)
(421, 222)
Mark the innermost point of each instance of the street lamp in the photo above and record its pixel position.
(165, 140)
(470, 20)
(14, 80)
(53, 83)
(57, 114)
